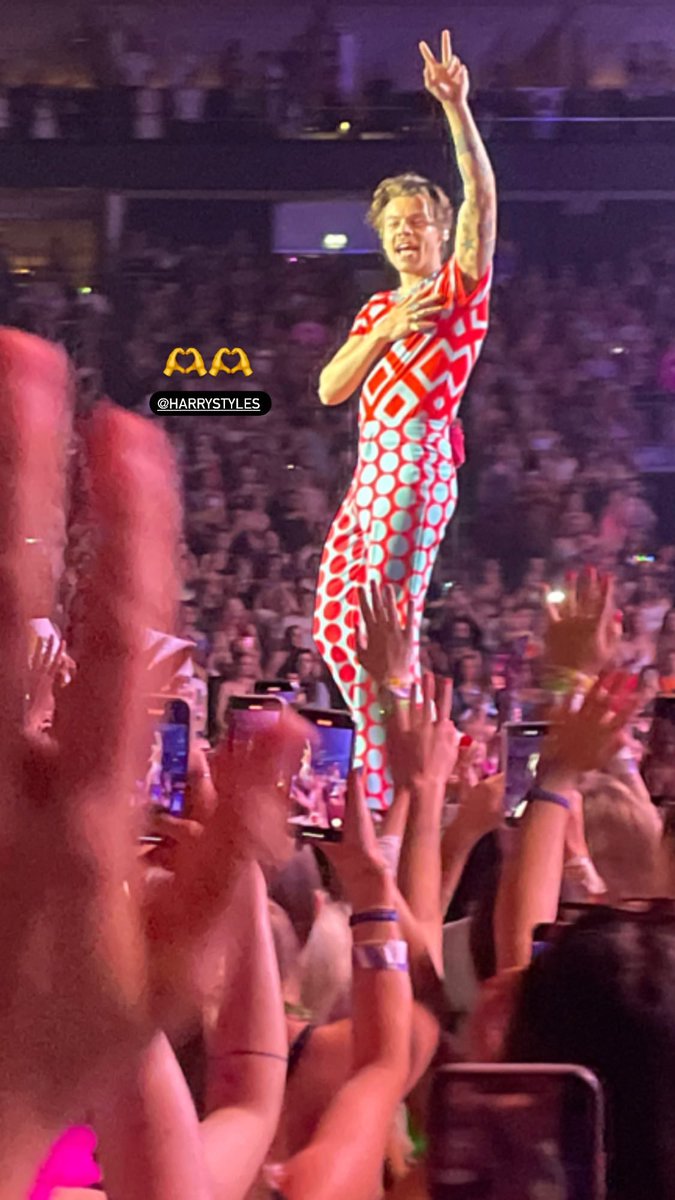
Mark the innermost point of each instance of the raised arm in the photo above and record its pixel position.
(448, 82)
(530, 886)
(345, 1156)
(248, 1053)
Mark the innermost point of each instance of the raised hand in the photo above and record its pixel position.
(357, 858)
(70, 933)
(423, 750)
(584, 631)
(88, 974)
(587, 740)
(386, 651)
(447, 80)
(481, 808)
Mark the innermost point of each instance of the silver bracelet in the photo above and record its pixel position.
(381, 956)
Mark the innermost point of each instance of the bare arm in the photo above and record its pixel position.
(480, 812)
(149, 1137)
(352, 1136)
(348, 368)
(477, 219)
(530, 886)
(529, 890)
(245, 1091)
(448, 82)
(152, 1145)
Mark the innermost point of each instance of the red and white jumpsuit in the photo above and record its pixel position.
(393, 518)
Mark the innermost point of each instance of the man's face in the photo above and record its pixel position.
(411, 238)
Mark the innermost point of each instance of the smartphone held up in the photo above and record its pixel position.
(523, 742)
(319, 789)
(166, 776)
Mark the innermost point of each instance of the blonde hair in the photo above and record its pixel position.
(410, 184)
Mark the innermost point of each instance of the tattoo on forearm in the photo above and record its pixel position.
(477, 220)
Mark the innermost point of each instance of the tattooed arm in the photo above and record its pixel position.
(448, 82)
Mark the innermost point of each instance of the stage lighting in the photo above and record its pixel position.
(556, 596)
(344, 126)
(334, 241)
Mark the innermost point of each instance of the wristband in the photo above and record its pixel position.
(373, 914)
(539, 793)
(563, 680)
(390, 698)
(401, 688)
(381, 956)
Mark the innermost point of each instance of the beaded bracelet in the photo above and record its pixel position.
(373, 914)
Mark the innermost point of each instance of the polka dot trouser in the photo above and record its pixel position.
(386, 531)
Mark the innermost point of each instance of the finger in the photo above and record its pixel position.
(176, 829)
(208, 873)
(361, 648)
(376, 602)
(131, 588)
(34, 425)
(444, 699)
(410, 621)
(570, 605)
(446, 46)
(390, 608)
(47, 651)
(424, 326)
(366, 611)
(607, 596)
(427, 54)
(422, 303)
(428, 310)
(36, 657)
(415, 709)
(594, 588)
(428, 694)
(585, 588)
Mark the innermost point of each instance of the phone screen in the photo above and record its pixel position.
(276, 687)
(249, 715)
(166, 777)
(319, 790)
(513, 1131)
(659, 765)
(523, 743)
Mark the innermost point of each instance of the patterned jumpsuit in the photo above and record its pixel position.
(393, 518)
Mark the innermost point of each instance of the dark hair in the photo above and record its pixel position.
(664, 627)
(603, 996)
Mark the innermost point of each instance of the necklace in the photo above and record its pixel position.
(398, 293)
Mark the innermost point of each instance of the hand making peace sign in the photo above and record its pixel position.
(447, 80)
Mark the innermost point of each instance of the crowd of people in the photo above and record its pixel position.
(214, 1011)
(117, 85)
(559, 436)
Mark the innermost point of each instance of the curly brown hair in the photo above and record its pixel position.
(410, 184)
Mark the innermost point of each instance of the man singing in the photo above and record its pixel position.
(411, 352)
